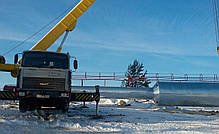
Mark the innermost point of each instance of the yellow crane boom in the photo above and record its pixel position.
(68, 23)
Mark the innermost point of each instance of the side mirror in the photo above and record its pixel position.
(15, 58)
(2, 60)
(75, 64)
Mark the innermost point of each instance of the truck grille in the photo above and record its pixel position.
(44, 83)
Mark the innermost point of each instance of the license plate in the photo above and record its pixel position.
(42, 96)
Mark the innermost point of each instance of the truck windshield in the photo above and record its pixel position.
(45, 60)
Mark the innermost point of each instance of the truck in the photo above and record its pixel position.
(44, 77)
(44, 80)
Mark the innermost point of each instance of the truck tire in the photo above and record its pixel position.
(22, 106)
(63, 106)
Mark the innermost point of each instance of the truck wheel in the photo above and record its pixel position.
(22, 106)
(64, 106)
(65, 109)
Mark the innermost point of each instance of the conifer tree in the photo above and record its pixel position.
(135, 76)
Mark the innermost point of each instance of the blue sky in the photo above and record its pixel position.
(174, 36)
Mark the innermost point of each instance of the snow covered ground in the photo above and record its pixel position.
(141, 116)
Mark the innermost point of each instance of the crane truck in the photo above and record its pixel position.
(44, 80)
(44, 77)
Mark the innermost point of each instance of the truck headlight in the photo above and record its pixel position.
(64, 94)
(21, 93)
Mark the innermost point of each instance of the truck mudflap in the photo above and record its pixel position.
(8, 95)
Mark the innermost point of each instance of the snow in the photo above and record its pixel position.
(141, 116)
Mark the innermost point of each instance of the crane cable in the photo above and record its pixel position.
(41, 29)
(216, 21)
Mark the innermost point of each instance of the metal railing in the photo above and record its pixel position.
(120, 76)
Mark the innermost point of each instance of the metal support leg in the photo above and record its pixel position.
(84, 105)
(97, 87)
(97, 108)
